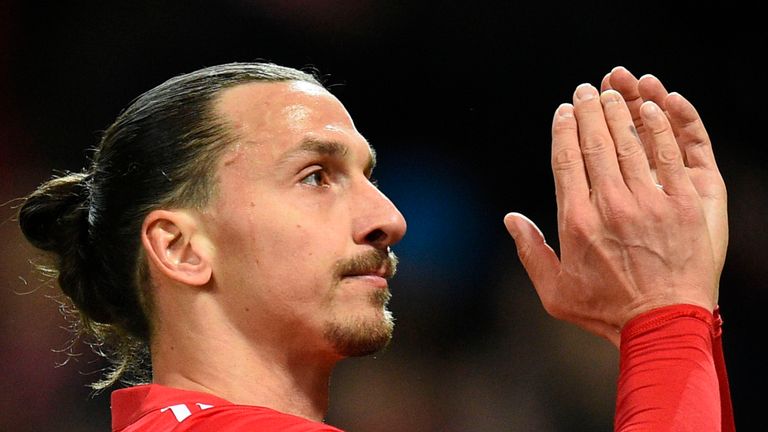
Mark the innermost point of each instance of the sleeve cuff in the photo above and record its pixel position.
(648, 321)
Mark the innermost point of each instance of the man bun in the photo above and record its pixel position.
(54, 218)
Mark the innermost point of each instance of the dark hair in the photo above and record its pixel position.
(160, 152)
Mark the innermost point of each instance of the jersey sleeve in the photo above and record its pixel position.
(672, 373)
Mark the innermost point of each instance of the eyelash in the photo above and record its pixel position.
(320, 174)
(324, 180)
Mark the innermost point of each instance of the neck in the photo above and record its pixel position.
(291, 383)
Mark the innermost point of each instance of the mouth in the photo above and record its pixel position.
(370, 279)
(376, 276)
(374, 267)
(384, 271)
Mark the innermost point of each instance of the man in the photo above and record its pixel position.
(229, 227)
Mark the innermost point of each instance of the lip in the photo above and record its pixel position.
(372, 279)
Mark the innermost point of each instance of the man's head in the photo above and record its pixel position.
(187, 145)
(293, 249)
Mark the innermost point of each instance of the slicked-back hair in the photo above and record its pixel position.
(161, 152)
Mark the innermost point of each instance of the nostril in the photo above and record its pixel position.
(375, 236)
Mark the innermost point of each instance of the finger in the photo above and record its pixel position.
(651, 89)
(605, 84)
(629, 150)
(571, 183)
(597, 147)
(691, 134)
(540, 261)
(666, 152)
(625, 83)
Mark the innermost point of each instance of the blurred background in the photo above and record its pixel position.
(457, 98)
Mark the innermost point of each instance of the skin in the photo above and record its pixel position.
(641, 208)
(285, 273)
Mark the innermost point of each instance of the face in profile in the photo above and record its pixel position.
(301, 235)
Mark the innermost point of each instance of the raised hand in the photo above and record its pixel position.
(694, 142)
(631, 241)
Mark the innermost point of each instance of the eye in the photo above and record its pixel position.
(316, 178)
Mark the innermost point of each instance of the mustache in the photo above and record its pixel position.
(373, 261)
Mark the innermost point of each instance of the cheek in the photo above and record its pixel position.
(300, 257)
(277, 257)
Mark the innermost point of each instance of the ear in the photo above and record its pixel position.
(176, 246)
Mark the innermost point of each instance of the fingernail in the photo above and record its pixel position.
(610, 96)
(586, 92)
(651, 109)
(509, 222)
(606, 81)
(565, 111)
(676, 95)
(647, 77)
(619, 68)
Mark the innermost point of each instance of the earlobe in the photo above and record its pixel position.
(176, 246)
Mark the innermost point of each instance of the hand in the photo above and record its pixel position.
(628, 245)
(695, 147)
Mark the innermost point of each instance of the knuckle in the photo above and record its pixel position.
(595, 144)
(668, 156)
(688, 209)
(566, 158)
(697, 144)
(616, 212)
(653, 212)
(629, 149)
(616, 215)
(524, 252)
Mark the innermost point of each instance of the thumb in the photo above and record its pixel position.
(539, 260)
(543, 267)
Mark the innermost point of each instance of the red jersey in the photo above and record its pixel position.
(672, 378)
(156, 408)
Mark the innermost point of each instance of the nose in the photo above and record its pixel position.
(377, 221)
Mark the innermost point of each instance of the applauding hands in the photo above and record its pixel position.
(641, 208)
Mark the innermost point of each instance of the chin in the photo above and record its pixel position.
(361, 337)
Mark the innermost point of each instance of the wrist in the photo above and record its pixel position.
(653, 318)
(652, 304)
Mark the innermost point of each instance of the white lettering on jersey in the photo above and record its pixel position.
(182, 411)
(179, 411)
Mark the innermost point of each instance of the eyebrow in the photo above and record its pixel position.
(327, 148)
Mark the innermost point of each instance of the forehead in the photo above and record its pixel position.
(277, 114)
